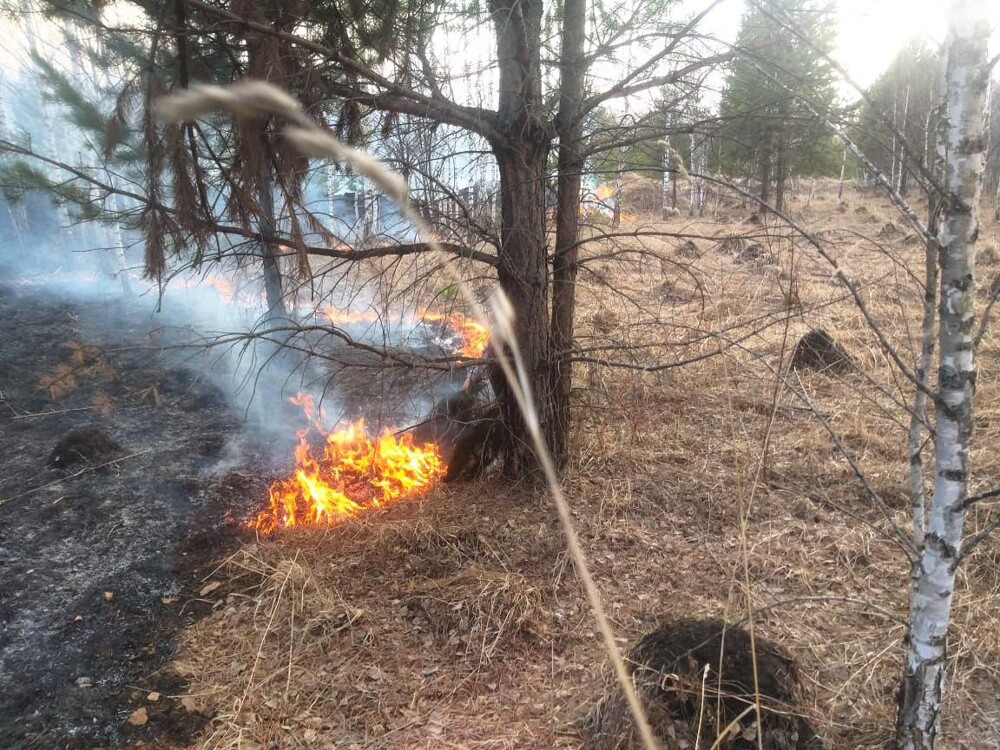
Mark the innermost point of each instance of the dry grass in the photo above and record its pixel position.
(456, 621)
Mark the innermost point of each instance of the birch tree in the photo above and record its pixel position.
(938, 529)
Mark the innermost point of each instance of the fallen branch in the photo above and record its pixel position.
(73, 476)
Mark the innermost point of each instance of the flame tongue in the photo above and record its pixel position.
(346, 474)
(475, 336)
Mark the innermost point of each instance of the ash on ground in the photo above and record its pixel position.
(111, 509)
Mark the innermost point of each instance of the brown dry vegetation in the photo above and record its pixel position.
(456, 621)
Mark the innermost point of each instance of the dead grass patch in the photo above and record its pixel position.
(323, 642)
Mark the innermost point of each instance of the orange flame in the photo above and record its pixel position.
(348, 317)
(223, 288)
(349, 473)
(475, 336)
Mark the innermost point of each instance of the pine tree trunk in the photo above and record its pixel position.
(522, 260)
(780, 176)
(270, 250)
(522, 271)
(966, 91)
(765, 179)
(564, 263)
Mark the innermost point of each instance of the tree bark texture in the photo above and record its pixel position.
(522, 261)
(965, 137)
(269, 249)
(564, 264)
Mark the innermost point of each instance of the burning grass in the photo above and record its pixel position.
(455, 620)
(339, 473)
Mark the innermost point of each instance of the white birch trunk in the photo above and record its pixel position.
(840, 184)
(902, 129)
(616, 216)
(699, 165)
(669, 181)
(965, 137)
(331, 193)
(892, 170)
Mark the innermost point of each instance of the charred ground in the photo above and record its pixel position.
(101, 554)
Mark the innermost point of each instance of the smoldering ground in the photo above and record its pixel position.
(102, 556)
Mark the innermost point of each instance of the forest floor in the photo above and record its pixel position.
(456, 620)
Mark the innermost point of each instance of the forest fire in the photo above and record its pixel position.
(475, 336)
(342, 472)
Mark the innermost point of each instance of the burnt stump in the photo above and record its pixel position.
(84, 445)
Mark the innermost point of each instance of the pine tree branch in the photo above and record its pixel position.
(625, 87)
(622, 90)
(476, 119)
(401, 249)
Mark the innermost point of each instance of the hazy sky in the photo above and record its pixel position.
(869, 32)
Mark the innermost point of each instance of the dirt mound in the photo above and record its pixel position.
(888, 231)
(688, 249)
(731, 245)
(641, 195)
(87, 445)
(756, 254)
(696, 675)
(818, 350)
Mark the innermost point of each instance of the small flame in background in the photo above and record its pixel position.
(348, 473)
(223, 288)
(475, 336)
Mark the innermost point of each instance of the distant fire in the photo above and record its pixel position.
(224, 289)
(475, 336)
(348, 317)
(342, 472)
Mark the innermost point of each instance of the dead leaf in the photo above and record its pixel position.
(109, 595)
(153, 697)
(103, 403)
(190, 704)
(170, 599)
(138, 718)
(206, 590)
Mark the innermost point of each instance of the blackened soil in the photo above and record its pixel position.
(102, 561)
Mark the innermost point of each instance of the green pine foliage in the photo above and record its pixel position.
(766, 132)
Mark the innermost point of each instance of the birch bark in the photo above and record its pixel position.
(964, 136)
